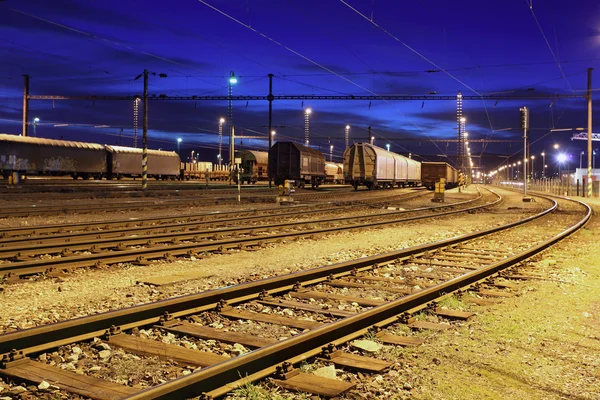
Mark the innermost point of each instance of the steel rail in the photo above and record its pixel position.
(5, 238)
(50, 336)
(134, 255)
(223, 377)
(47, 245)
(35, 209)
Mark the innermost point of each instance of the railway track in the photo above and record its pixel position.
(199, 199)
(226, 216)
(27, 256)
(378, 294)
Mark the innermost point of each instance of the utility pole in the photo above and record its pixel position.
(145, 135)
(270, 99)
(589, 138)
(25, 104)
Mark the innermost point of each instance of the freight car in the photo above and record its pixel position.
(374, 167)
(432, 172)
(36, 156)
(288, 160)
(127, 162)
(254, 166)
(334, 172)
(198, 170)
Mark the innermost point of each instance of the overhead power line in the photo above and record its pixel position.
(313, 97)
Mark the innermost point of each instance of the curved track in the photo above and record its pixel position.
(485, 251)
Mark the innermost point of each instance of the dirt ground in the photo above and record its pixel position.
(542, 344)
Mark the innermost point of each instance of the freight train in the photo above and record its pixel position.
(293, 161)
(334, 172)
(254, 166)
(373, 167)
(36, 156)
(432, 172)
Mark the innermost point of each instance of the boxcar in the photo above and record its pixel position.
(38, 156)
(254, 166)
(334, 172)
(127, 161)
(288, 160)
(374, 167)
(432, 172)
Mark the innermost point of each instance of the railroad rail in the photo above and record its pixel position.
(191, 242)
(203, 198)
(189, 217)
(464, 262)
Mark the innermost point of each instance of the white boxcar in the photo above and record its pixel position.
(374, 167)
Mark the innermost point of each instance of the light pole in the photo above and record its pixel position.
(331, 153)
(543, 164)
(580, 156)
(387, 146)
(219, 156)
(178, 144)
(594, 158)
(347, 135)
(35, 123)
(192, 158)
(372, 139)
(532, 167)
(518, 170)
(307, 113)
(231, 82)
(272, 136)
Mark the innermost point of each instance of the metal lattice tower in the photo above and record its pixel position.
(460, 149)
(347, 136)
(136, 102)
(230, 124)
(306, 128)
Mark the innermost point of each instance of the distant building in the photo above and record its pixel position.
(581, 173)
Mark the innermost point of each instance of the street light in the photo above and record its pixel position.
(594, 158)
(372, 139)
(178, 144)
(232, 80)
(388, 147)
(556, 146)
(580, 156)
(221, 121)
(35, 122)
(532, 168)
(543, 164)
(347, 136)
(307, 113)
(330, 153)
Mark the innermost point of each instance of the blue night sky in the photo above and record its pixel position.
(332, 47)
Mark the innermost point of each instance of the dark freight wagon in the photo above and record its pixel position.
(127, 161)
(38, 156)
(432, 172)
(254, 166)
(288, 160)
